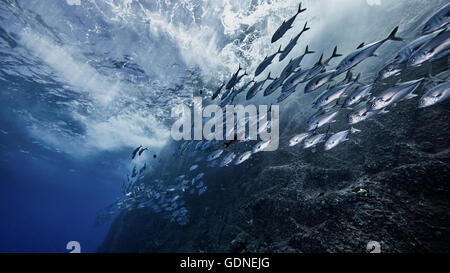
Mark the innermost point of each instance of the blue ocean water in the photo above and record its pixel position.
(48, 199)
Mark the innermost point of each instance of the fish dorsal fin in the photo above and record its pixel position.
(348, 77)
(319, 62)
(357, 78)
(360, 46)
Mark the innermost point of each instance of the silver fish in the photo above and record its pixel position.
(193, 167)
(439, 20)
(294, 63)
(395, 94)
(199, 176)
(319, 67)
(199, 144)
(266, 62)
(335, 140)
(261, 146)
(214, 155)
(285, 95)
(179, 178)
(435, 95)
(217, 91)
(228, 100)
(202, 190)
(331, 95)
(298, 139)
(286, 25)
(357, 95)
(392, 69)
(363, 52)
(362, 113)
(227, 159)
(256, 87)
(225, 94)
(273, 86)
(406, 52)
(320, 119)
(264, 126)
(319, 80)
(206, 145)
(232, 82)
(294, 80)
(431, 49)
(292, 43)
(243, 157)
(313, 141)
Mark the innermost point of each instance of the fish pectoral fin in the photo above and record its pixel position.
(360, 46)
(354, 130)
(410, 96)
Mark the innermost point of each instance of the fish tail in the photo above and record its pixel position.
(307, 51)
(305, 27)
(300, 10)
(335, 54)
(393, 37)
